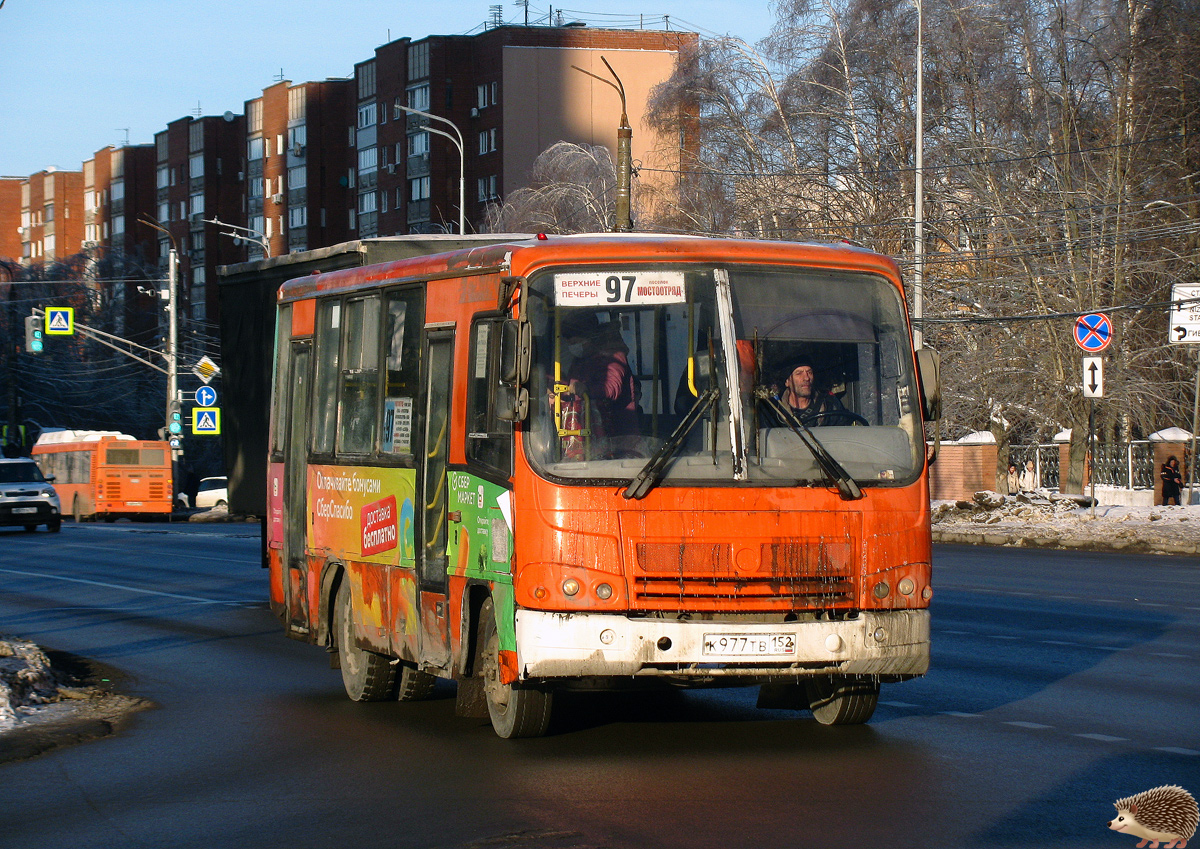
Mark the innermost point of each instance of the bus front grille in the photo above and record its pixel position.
(776, 574)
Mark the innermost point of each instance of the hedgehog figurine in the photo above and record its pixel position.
(1167, 813)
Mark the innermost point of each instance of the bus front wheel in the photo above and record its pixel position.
(515, 711)
(367, 676)
(842, 699)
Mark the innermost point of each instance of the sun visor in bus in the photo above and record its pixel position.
(822, 326)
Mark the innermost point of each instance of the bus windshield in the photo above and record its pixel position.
(721, 375)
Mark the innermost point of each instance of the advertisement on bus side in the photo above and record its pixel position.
(364, 513)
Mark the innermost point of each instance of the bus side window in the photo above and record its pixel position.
(403, 321)
(489, 439)
(324, 390)
(359, 398)
(283, 368)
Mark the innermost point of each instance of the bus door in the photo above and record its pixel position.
(435, 632)
(295, 490)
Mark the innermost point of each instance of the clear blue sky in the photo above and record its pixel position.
(76, 75)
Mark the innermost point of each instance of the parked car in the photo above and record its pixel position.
(27, 498)
(213, 493)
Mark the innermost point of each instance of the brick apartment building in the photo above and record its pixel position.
(297, 155)
(51, 216)
(10, 218)
(199, 177)
(511, 92)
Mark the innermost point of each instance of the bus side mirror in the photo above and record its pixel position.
(929, 368)
(512, 403)
(516, 351)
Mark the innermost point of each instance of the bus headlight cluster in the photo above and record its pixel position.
(906, 586)
(570, 587)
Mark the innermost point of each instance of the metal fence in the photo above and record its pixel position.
(1125, 466)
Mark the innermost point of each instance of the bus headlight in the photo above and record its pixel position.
(604, 592)
(882, 589)
(906, 586)
(570, 587)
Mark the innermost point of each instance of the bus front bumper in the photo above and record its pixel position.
(586, 645)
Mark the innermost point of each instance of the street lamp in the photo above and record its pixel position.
(252, 235)
(172, 352)
(457, 139)
(919, 189)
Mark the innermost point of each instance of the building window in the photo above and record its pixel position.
(117, 191)
(164, 212)
(298, 217)
(485, 95)
(366, 116)
(366, 80)
(254, 148)
(196, 205)
(195, 137)
(487, 188)
(367, 203)
(196, 166)
(297, 104)
(418, 61)
(487, 141)
(418, 144)
(118, 225)
(254, 116)
(297, 138)
(164, 176)
(368, 160)
(418, 189)
(418, 97)
(297, 177)
(161, 147)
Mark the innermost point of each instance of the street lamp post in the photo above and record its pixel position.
(252, 235)
(171, 355)
(919, 189)
(457, 140)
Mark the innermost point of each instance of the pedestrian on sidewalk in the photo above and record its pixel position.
(1172, 481)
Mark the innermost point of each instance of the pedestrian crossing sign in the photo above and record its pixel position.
(60, 321)
(206, 421)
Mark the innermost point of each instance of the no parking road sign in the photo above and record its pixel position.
(1093, 332)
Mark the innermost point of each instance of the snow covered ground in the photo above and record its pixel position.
(1056, 521)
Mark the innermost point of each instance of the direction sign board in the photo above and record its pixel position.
(206, 396)
(1093, 377)
(1183, 323)
(1093, 332)
(60, 321)
(206, 421)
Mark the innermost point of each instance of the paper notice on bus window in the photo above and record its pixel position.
(397, 425)
(619, 288)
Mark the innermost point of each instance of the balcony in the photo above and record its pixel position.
(419, 210)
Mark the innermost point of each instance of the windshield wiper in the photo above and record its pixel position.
(846, 487)
(651, 473)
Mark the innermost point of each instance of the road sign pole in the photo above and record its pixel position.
(1195, 418)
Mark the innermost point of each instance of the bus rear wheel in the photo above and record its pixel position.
(842, 699)
(367, 676)
(515, 711)
(413, 685)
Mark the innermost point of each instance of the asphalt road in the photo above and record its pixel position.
(1061, 682)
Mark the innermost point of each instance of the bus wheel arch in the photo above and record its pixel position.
(367, 676)
(332, 576)
(515, 710)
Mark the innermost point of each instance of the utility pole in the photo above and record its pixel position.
(172, 343)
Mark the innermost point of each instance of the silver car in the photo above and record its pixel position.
(26, 497)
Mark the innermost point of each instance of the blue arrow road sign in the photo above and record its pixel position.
(1093, 332)
(206, 396)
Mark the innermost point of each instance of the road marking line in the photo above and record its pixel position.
(959, 714)
(1103, 738)
(115, 587)
(1173, 750)
(900, 704)
(1168, 654)
(1032, 725)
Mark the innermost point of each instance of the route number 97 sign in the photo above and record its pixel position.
(619, 288)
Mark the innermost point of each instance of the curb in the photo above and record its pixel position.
(38, 737)
(1018, 540)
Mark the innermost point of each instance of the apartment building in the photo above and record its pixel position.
(199, 178)
(505, 95)
(51, 216)
(297, 166)
(10, 219)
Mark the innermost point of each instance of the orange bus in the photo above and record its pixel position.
(107, 475)
(456, 490)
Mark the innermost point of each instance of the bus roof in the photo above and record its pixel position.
(522, 256)
(58, 437)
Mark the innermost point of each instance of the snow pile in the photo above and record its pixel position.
(1066, 521)
(25, 679)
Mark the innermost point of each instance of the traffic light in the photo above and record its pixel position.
(174, 419)
(33, 334)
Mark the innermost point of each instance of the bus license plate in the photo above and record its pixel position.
(24, 509)
(750, 645)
